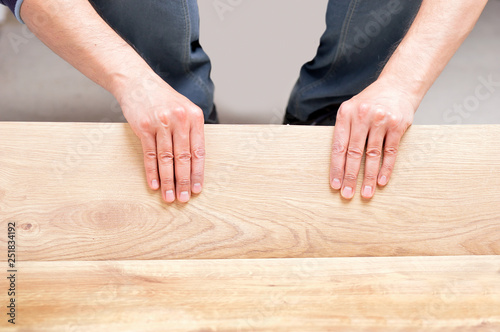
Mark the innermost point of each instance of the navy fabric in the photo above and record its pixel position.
(360, 36)
(10, 3)
(166, 34)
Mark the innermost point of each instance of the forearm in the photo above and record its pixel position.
(75, 31)
(435, 35)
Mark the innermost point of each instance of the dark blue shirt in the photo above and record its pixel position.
(10, 3)
(15, 6)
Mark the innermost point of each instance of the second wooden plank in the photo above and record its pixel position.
(339, 294)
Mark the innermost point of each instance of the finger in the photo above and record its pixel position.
(340, 141)
(182, 162)
(166, 163)
(391, 146)
(148, 143)
(373, 154)
(355, 150)
(197, 140)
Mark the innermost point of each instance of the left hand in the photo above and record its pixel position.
(377, 117)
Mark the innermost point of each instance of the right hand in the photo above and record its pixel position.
(170, 128)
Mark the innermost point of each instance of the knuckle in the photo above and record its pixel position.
(370, 177)
(183, 156)
(167, 182)
(339, 147)
(380, 117)
(180, 113)
(373, 153)
(350, 176)
(199, 152)
(344, 110)
(197, 114)
(150, 155)
(391, 150)
(394, 120)
(166, 157)
(363, 111)
(184, 182)
(164, 117)
(145, 124)
(354, 152)
(380, 113)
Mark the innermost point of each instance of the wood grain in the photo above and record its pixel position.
(337, 294)
(78, 192)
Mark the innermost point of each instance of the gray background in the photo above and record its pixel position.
(257, 49)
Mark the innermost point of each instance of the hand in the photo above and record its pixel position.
(378, 117)
(170, 128)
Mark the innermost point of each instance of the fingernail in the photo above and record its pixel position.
(184, 197)
(169, 196)
(367, 191)
(197, 188)
(383, 180)
(347, 192)
(336, 184)
(154, 184)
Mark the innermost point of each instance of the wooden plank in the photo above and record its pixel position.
(337, 294)
(78, 192)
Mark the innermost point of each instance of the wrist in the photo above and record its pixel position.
(411, 75)
(413, 89)
(133, 83)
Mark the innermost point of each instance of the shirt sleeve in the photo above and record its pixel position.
(15, 6)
